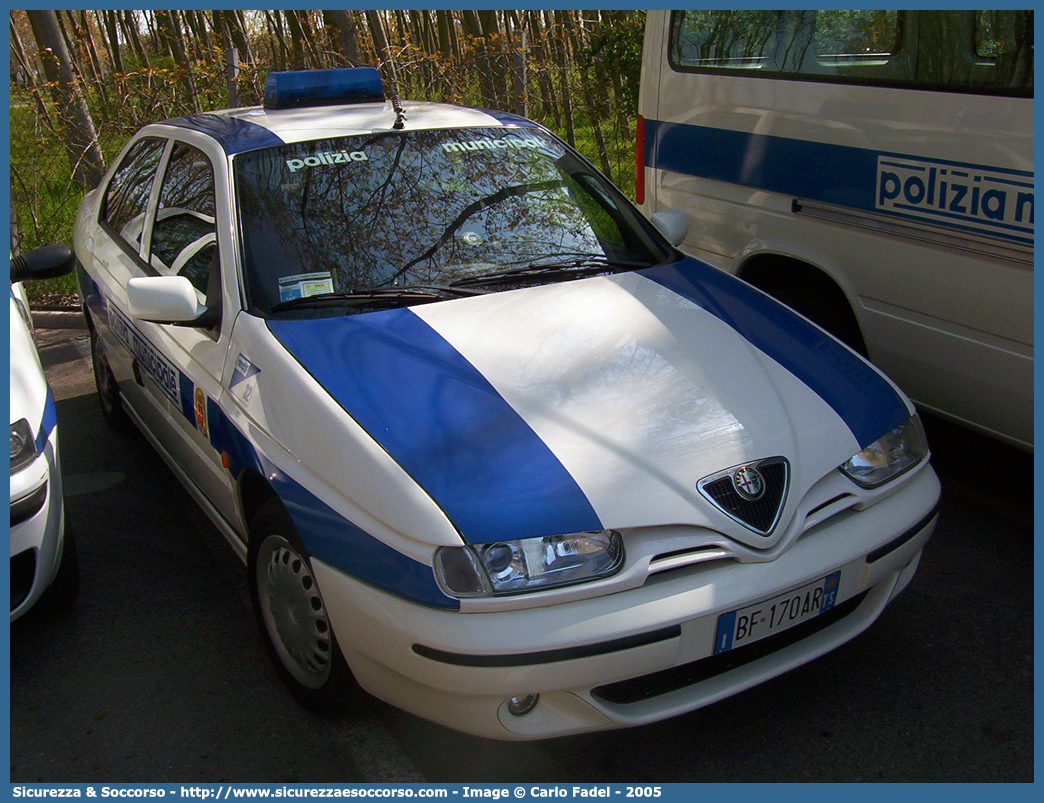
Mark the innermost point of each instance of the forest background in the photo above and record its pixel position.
(83, 82)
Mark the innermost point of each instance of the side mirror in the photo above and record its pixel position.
(164, 299)
(48, 262)
(672, 224)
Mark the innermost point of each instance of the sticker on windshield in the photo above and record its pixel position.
(324, 158)
(303, 285)
(487, 144)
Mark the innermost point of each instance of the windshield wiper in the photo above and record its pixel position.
(551, 269)
(370, 297)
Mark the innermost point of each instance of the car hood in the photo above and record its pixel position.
(597, 403)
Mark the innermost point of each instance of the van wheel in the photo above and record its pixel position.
(292, 616)
(825, 311)
(108, 391)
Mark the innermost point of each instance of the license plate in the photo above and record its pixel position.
(774, 615)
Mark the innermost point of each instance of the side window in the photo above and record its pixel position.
(184, 240)
(975, 51)
(128, 193)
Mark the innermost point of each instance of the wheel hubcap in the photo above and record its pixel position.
(293, 612)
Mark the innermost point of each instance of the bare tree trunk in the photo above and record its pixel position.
(130, 25)
(170, 32)
(86, 39)
(296, 40)
(158, 44)
(202, 32)
(281, 56)
(237, 30)
(560, 46)
(83, 33)
(309, 39)
(342, 33)
(99, 23)
(221, 30)
(454, 37)
(380, 39)
(444, 22)
(112, 30)
(494, 46)
(473, 29)
(41, 107)
(81, 142)
(589, 100)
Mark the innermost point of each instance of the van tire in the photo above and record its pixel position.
(809, 291)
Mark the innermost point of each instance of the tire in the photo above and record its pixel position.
(66, 584)
(108, 391)
(292, 617)
(833, 315)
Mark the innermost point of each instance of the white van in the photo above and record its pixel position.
(873, 170)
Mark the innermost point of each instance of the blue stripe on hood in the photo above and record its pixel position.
(865, 401)
(443, 422)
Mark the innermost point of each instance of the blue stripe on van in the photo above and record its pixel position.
(235, 135)
(865, 400)
(326, 534)
(814, 171)
(443, 422)
(833, 174)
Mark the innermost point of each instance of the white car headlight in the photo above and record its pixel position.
(889, 456)
(513, 567)
(23, 447)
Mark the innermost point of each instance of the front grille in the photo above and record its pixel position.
(23, 570)
(641, 688)
(759, 514)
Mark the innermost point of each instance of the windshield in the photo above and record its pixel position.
(413, 211)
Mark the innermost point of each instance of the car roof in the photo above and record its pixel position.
(243, 129)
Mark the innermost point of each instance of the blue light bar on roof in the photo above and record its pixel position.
(302, 88)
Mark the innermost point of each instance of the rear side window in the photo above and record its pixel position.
(184, 236)
(988, 52)
(127, 195)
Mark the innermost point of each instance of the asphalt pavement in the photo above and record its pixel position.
(158, 672)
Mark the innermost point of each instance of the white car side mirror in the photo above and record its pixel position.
(672, 224)
(164, 299)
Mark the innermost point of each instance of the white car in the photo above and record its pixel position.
(486, 441)
(43, 555)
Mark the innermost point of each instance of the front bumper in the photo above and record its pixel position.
(625, 658)
(37, 528)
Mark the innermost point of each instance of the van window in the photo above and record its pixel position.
(969, 51)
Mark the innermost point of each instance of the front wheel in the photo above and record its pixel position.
(292, 616)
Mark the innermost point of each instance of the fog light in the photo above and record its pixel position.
(520, 706)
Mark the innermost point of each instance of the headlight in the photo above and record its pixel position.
(23, 447)
(889, 456)
(513, 567)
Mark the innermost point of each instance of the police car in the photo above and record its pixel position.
(485, 440)
(43, 555)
